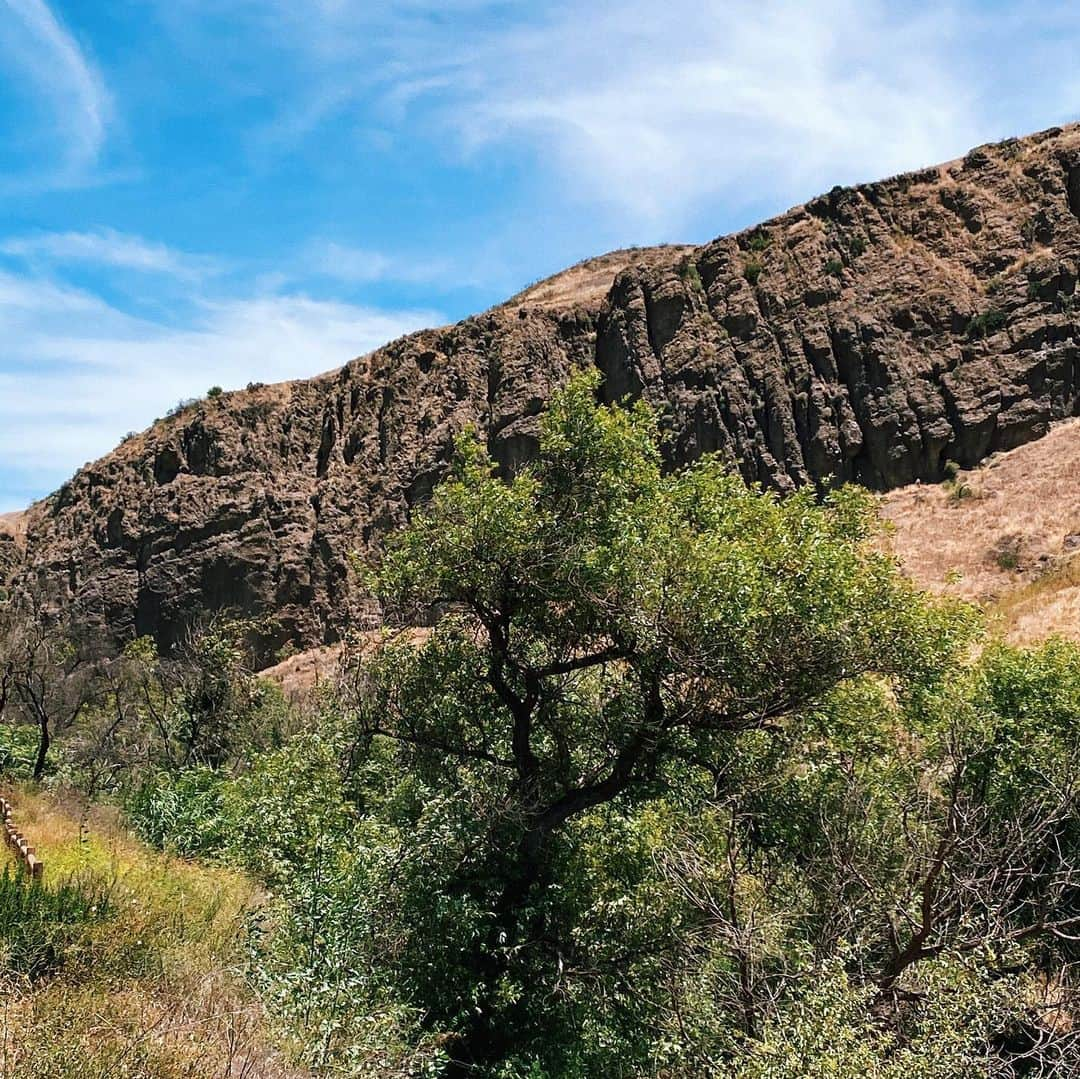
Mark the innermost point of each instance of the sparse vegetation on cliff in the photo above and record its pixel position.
(753, 268)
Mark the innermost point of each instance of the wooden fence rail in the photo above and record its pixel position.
(34, 866)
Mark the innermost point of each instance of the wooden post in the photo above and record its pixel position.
(27, 853)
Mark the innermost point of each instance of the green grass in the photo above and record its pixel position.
(125, 962)
(41, 921)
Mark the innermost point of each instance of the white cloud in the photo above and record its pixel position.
(356, 265)
(78, 372)
(107, 247)
(34, 41)
(656, 110)
(660, 112)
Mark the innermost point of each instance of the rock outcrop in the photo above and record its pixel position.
(12, 537)
(870, 335)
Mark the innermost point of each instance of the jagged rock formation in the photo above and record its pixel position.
(870, 335)
(10, 557)
(11, 546)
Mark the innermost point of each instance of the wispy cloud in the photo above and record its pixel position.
(107, 247)
(658, 112)
(702, 101)
(357, 265)
(690, 103)
(35, 44)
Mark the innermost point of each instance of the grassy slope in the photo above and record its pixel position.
(1006, 534)
(152, 990)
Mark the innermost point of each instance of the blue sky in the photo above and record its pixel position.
(200, 192)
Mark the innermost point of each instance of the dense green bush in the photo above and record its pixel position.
(183, 811)
(18, 750)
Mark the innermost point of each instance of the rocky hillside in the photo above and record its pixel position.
(873, 335)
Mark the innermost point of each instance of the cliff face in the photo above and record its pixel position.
(870, 335)
(12, 536)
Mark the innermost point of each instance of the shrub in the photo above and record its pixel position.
(214, 391)
(691, 275)
(1007, 552)
(985, 323)
(288, 810)
(181, 406)
(834, 267)
(184, 812)
(753, 269)
(759, 241)
(18, 750)
(1008, 559)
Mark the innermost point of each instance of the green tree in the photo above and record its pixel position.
(48, 675)
(605, 629)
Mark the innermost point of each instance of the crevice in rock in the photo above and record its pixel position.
(1072, 189)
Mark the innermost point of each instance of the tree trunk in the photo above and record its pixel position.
(492, 1034)
(44, 741)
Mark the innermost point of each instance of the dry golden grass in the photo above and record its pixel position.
(153, 991)
(1006, 535)
(1048, 605)
(305, 671)
(591, 279)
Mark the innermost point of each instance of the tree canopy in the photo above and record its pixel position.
(602, 626)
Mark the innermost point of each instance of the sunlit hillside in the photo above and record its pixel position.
(1006, 535)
